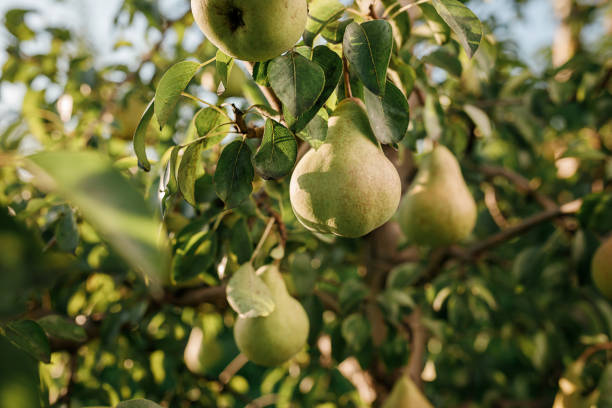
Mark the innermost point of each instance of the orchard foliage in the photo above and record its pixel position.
(137, 201)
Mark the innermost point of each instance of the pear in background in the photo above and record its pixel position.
(438, 209)
(251, 30)
(271, 340)
(201, 355)
(405, 394)
(347, 186)
(601, 268)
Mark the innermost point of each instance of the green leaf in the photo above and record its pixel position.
(108, 202)
(605, 388)
(431, 118)
(332, 67)
(14, 22)
(234, 174)
(209, 121)
(62, 328)
(172, 184)
(260, 73)
(356, 331)
(173, 82)
(248, 295)
(29, 337)
(195, 257)
(462, 21)
(367, 48)
(66, 230)
(304, 276)
(138, 403)
(440, 30)
(297, 81)
(445, 59)
(315, 132)
(334, 32)
(224, 64)
(277, 153)
(389, 114)
(352, 293)
(140, 137)
(188, 171)
(321, 13)
(240, 241)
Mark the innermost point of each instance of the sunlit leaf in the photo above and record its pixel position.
(173, 82)
(321, 13)
(247, 293)
(66, 230)
(188, 171)
(224, 64)
(462, 21)
(140, 137)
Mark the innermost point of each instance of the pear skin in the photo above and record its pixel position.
(347, 186)
(601, 268)
(438, 209)
(271, 340)
(405, 394)
(251, 30)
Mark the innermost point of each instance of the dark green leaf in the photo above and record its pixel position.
(224, 64)
(367, 48)
(389, 114)
(260, 73)
(66, 230)
(440, 30)
(304, 276)
(173, 82)
(332, 67)
(30, 337)
(110, 204)
(188, 171)
(297, 81)
(195, 257)
(356, 331)
(234, 174)
(62, 328)
(240, 241)
(277, 153)
(605, 388)
(352, 293)
(248, 295)
(321, 13)
(208, 123)
(462, 21)
(140, 137)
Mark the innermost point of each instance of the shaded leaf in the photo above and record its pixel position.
(248, 295)
(62, 328)
(110, 204)
(321, 13)
(297, 81)
(140, 137)
(356, 331)
(234, 175)
(462, 21)
(66, 230)
(208, 123)
(332, 67)
(277, 153)
(367, 48)
(315, 132)
(334, 32)
(173, 82)
(195, 257)
(138, 403)
(240, 241)
(443, 58)
(260, 73)
(29, 337)
(389, 114)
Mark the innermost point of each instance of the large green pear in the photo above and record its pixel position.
(347, 186)
(601, 268)
(405, 394)
(438, 209)
(251, 30)
(271, 340)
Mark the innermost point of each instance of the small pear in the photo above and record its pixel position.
(601, 268)
(201, 355)
(438, 209)
(271, 340)
(405, 394)
(347, 186)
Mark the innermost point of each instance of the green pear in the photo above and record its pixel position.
(405, 394)
(201, 355)
(251, 30)
(271, 340)
(347, 186)
(601, 268)
(438, 209)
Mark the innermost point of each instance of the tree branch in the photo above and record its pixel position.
(418, 338)
(268, 93)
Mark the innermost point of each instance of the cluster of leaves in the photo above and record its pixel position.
(106, 270)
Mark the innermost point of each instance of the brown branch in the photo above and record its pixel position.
(594, 349)
(347, 80)
(418, 339)
(373, 13)
(268, 93)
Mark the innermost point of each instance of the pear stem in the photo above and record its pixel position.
(347, 82)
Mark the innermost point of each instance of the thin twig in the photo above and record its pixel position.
(347, 80)
(263, 238)
(418, 338)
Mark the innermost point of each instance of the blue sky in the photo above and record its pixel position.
(93, 19)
